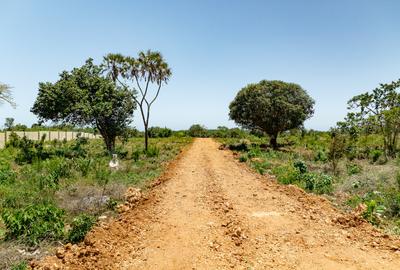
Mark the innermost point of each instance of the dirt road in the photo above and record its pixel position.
(211, 212)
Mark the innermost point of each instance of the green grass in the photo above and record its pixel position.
(362, 175)
(76, 180)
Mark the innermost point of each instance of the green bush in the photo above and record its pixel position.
(7, 175)
(243, 158)
(320, 155)
(83, 165)
(158, 132)
(301, 166)
(121, 152)
(136, 155)
(373, 212)
(375, 155)
(152, 151)
(80, 226)
(353, 168)
(34, 223)
(242, 145)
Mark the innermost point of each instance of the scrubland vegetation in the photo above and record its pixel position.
(54, 192)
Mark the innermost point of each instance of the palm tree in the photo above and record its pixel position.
(5, 94)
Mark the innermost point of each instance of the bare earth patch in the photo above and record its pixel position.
(211, 212)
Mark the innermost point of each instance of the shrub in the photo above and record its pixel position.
(320, 155)
(373, 212)
(323, 184)
(83, 165)
(121, 152)
(34, 222)
(242, 145)
(286, 174)
(301, 166)
(136, 155)
(353, 168)
(243, 158)
(375, 155)
(7, 175)
(152, 151)
(158, 132)
(80, 226)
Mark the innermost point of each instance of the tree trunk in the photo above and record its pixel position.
(273, 141)
(146, 138)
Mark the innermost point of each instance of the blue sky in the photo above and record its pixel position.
(333, 49)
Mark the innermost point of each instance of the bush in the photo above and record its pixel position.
(242, 145)
(373, 212)
(136, 155)
(7, 175)
(34, 223)
(243, 158)
(198, 131)
(121, 152)
(320, 156)
(80, 226)
(152, 151)
(353, 168)
(375, 155)
(301, 166)
(83, 165)
(158, 132)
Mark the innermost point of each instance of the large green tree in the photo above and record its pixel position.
(5, 94)
(85, 97)
(271, 107)
(142, 75)
(379, 111)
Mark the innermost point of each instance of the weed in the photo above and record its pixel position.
(80, 226)
(243, 158)
(34, 222)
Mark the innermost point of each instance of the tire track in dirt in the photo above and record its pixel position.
(215, 213)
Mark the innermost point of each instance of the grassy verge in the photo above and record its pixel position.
(362, 180)
(46, 188)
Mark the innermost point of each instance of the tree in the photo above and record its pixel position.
(271, 107)
(9, 124)
(86, 98)
(139, 75)
(5, 94)
(337, 148)
(379, 111)
(197, 130)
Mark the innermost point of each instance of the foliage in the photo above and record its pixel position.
(272, 107)
(80, 226)
(353, 168)
(198, 131)
(152, 151)
(138, 74)
(158, 132)
(373, 212)
(336, 149)
(5, 94)
(379, 111)
(34, 222)
(84, 97)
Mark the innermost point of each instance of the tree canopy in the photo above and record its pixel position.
(85, 97)
(138, 75)
(378, 111)
(271, 107)
(5, 94)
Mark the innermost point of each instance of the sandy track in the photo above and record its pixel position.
(214, 213)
